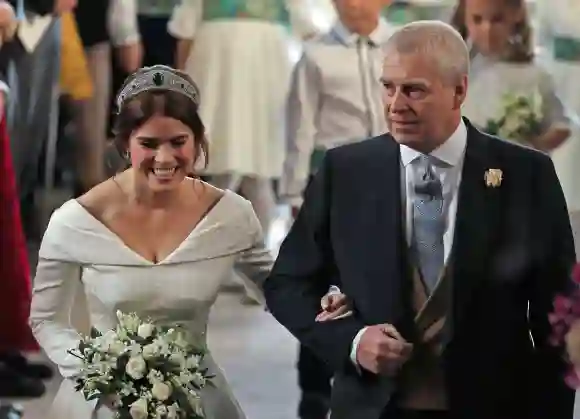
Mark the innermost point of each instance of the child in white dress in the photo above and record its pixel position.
(503, 64)
(559, 35)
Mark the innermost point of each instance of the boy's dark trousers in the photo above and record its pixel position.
(314, 378)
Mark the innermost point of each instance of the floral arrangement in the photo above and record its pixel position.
(142, 370)
(565, 323)
(521, 119)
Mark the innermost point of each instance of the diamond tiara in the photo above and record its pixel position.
(158, 78)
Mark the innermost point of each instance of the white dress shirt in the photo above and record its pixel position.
(335, 98)
(451, 155)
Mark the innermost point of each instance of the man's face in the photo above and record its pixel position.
(357, 15)
(422, 104)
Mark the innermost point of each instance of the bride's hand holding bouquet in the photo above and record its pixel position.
(143, 371)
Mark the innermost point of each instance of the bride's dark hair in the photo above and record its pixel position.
(137, 110)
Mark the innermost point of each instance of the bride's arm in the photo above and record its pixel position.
(254, 266)
(55, 286)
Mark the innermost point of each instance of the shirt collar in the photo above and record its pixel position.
(378, 36)
(450, 152)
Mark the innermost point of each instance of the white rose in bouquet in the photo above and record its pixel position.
(145, 330)
(136, 367)
(161, 391)
(139, 409)
(151, 351)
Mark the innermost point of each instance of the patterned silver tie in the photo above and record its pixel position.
(428, 223)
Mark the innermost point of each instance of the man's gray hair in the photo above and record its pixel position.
(434, 39)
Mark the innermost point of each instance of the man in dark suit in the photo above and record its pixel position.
(442, 236)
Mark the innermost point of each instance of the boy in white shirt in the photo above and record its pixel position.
(335, 98)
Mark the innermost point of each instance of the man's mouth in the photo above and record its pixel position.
(404, 122)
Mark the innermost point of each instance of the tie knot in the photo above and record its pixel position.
(427, 183)
(363, 40)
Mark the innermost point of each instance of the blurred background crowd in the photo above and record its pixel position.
(281, 81)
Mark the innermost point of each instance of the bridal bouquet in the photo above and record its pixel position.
(565, 322)
(145, 371)
(521, 118)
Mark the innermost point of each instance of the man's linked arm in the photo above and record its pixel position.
(303, 272)
(551, 277)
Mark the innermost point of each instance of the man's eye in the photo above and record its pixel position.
(389, 88)
(415, 92)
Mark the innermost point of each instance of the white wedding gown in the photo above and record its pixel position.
(78, 250)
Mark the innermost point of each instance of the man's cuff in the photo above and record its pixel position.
(333, 290)
(293, 201)
(354, 348)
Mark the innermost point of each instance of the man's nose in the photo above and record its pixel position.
(398, 102)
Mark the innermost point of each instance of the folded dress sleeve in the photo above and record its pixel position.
(56, 283)
(255, 263)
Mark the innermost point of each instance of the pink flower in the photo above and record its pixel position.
(576, 274)
(553, 318)
(572, 380)
(562, 305)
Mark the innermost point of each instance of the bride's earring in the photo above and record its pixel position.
(127, 155)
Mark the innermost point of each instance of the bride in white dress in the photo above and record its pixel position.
(150, 240)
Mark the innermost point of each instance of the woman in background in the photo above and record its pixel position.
(105, 26)
(238, 53)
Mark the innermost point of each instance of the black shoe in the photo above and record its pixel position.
(20, 365)
(17, 386)
(313, 407)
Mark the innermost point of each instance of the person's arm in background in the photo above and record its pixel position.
(184, 22)
(556, 118)
(124, 32)
(302, 113)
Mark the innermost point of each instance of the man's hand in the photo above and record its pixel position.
(382, 350)
(335, 305)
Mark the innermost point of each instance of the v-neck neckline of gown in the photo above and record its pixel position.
(206, 217)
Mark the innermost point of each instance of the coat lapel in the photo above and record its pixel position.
(384, 261)
(477, 221)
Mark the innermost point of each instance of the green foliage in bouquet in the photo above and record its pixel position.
(521, 119)
(145, 370)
